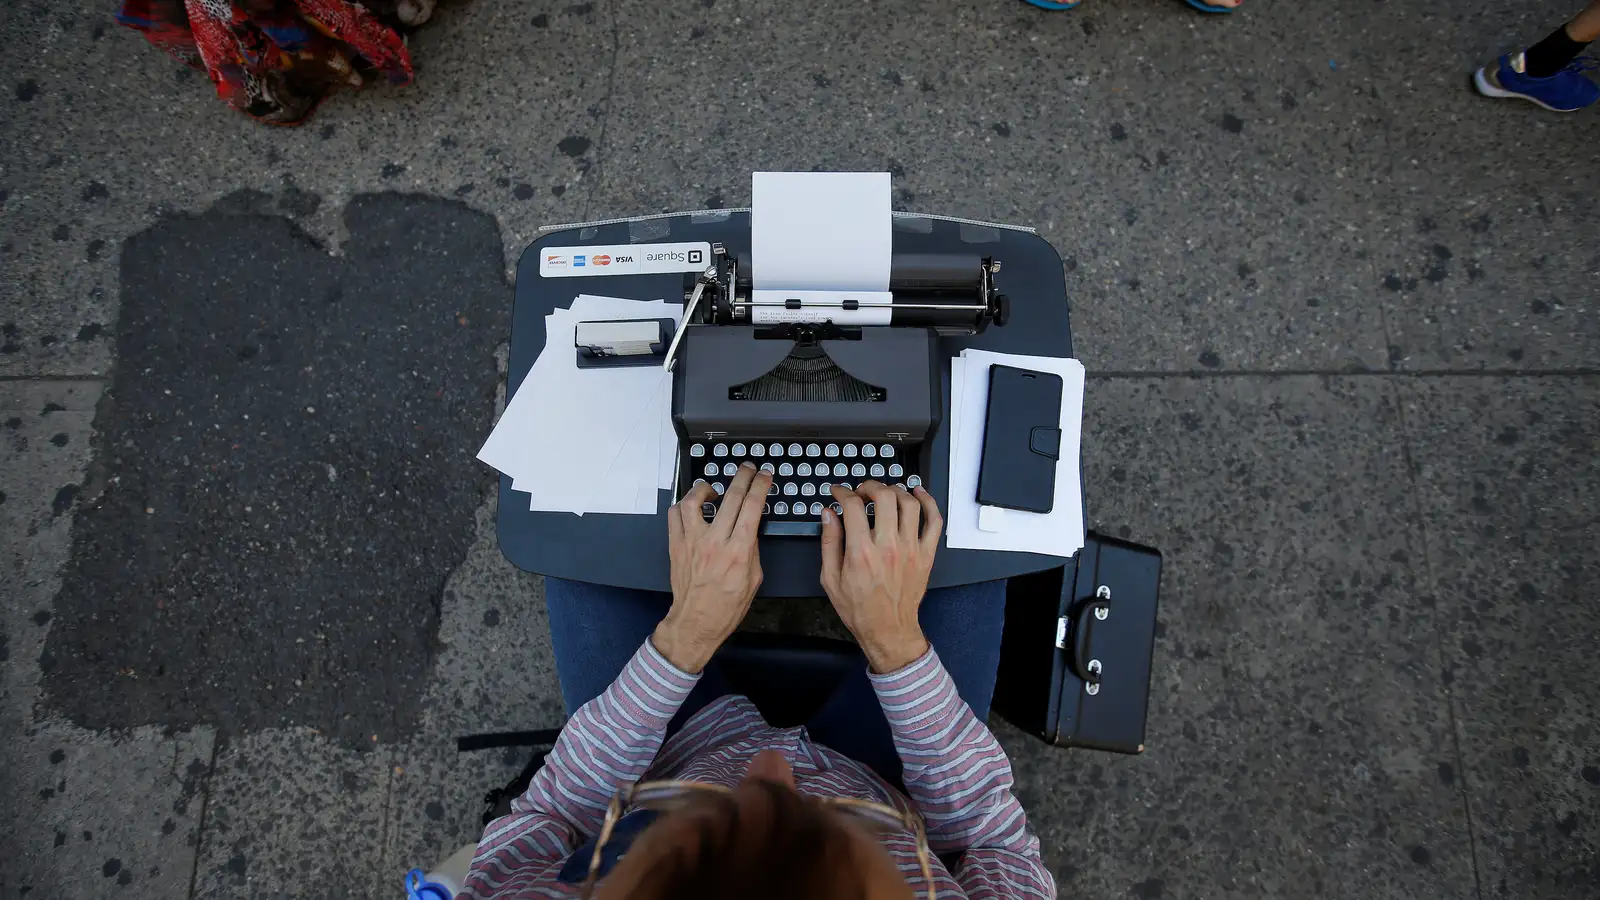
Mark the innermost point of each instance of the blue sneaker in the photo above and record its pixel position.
(1568, 90)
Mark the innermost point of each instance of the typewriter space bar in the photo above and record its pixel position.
(791, 529)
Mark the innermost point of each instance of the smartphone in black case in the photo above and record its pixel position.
(1021, 440)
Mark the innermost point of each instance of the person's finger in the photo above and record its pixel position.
(744, 530)
(854, 514)
(675, 526)
(910, 516)
(689, 509)
(932, 522)
(733, 500)
(832, 548)
(886, 510)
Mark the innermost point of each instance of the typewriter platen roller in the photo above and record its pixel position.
(951, 293)
(834, 391)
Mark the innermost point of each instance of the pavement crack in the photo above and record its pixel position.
(200, 824)
(1451, 720)
(605, 120)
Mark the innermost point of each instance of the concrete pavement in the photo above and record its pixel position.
(1340, 315)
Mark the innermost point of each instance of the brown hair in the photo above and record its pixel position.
(794, 850)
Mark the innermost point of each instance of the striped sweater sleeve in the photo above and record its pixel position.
(607, 744)
(960, 780)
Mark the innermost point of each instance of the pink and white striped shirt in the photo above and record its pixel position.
(957, 777)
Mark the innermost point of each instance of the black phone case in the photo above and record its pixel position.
(1021, 440)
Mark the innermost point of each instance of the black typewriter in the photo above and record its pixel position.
(820, 402)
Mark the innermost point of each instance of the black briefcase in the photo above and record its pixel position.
(1075, 658)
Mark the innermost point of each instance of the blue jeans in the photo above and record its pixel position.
(595, 630)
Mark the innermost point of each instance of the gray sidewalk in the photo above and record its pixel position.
(1340, 315)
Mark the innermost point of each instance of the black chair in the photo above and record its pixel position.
(787, 676)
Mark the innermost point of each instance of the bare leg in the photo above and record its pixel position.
(1585, 27)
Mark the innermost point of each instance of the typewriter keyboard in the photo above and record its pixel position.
(803, 475)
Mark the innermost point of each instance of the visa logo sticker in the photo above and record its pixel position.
(623, 259)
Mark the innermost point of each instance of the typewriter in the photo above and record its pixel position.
(820, 391)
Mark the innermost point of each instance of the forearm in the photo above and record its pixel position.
(953, 768)
(609, 742)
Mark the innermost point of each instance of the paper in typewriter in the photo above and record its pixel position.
(820, 231)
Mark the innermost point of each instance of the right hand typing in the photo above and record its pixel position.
(875, 575)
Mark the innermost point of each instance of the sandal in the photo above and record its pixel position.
(1208, 8)
(1054, 5)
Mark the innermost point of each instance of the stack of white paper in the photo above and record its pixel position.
(969, 526)
(588, 440)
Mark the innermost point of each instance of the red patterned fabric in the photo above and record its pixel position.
(274, 59)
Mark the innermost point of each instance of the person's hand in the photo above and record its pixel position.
(715, 568)
(876, 576)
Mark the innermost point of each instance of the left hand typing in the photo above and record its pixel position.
(715, 569)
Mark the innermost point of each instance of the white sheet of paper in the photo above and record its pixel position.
(821, 231)
(585, 440)
(624, 485)
(1059, 532)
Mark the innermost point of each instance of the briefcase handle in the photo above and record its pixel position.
(1073, 634)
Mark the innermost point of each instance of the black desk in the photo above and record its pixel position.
(631, 551)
